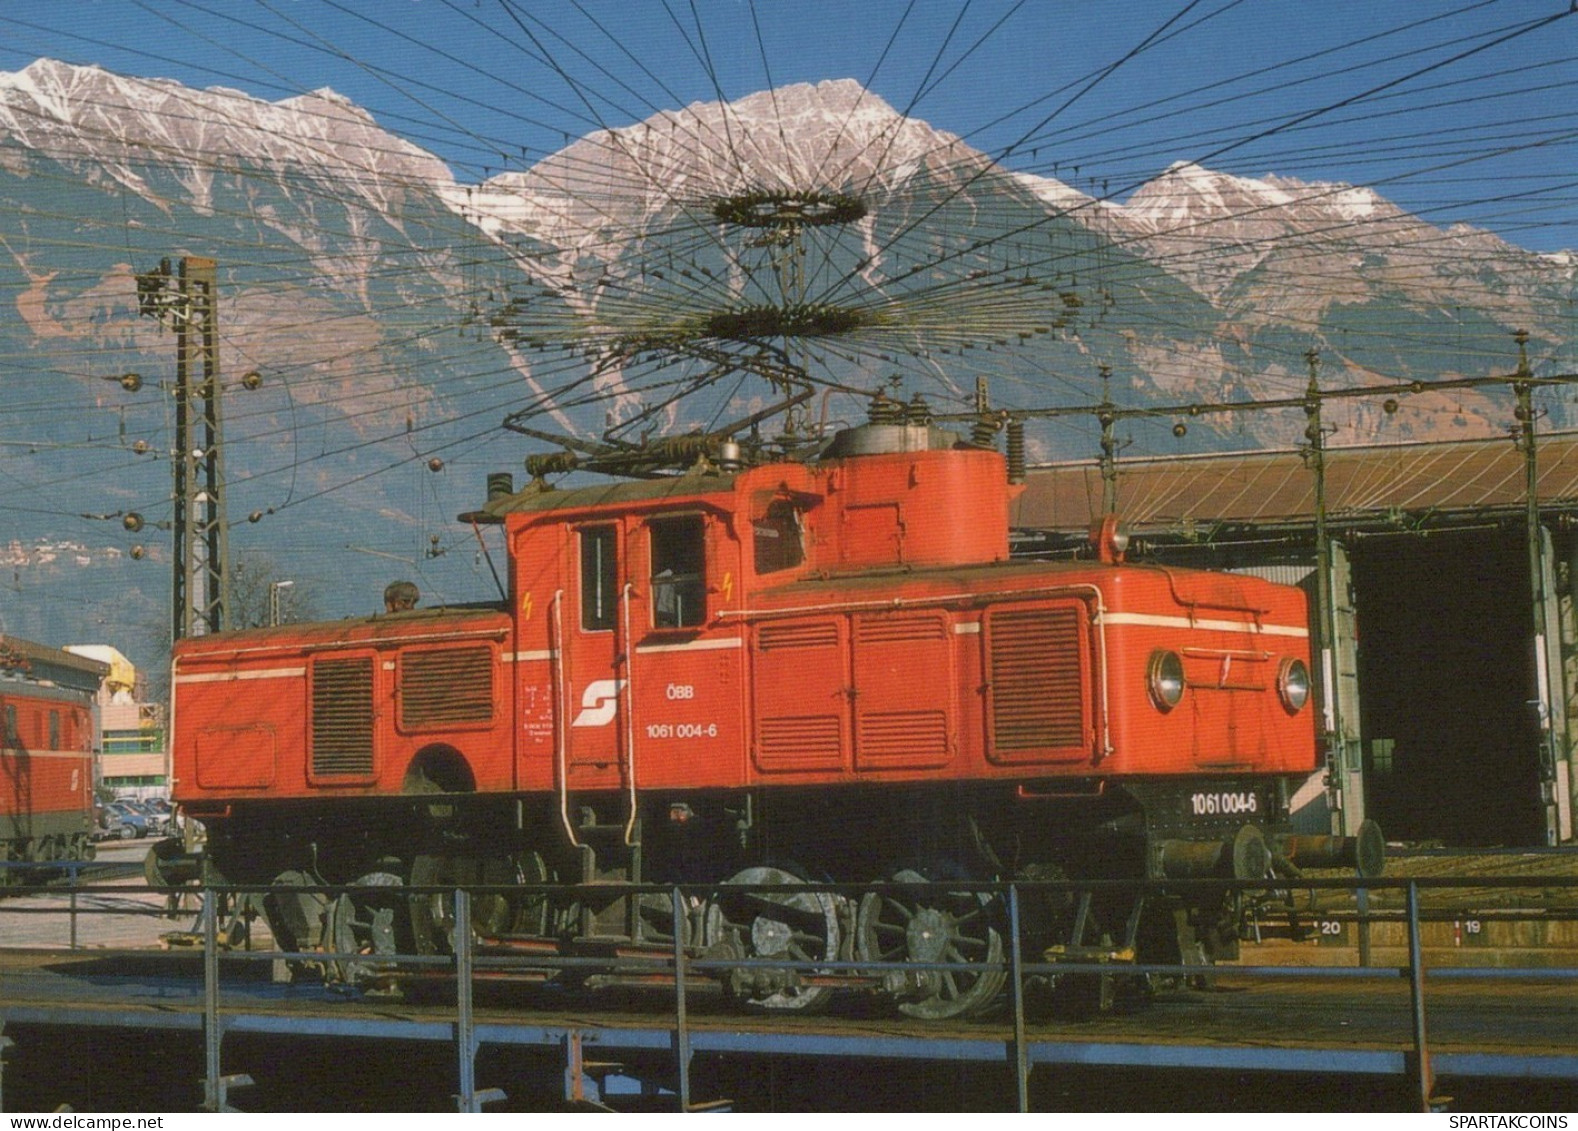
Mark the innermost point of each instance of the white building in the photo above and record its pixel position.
(133, 757)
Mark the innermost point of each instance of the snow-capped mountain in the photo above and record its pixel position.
(1315, 234)
(112, 126)
(396, 315)
(833, 135)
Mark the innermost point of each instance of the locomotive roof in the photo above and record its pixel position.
(880, 581)
(428, 622)
(426, 612)
(538, 499)
(56, 664)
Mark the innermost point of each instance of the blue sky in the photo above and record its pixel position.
(1460, 111)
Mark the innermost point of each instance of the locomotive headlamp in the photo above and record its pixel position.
(1110, 538)
(1293, 685)
(1164, 678)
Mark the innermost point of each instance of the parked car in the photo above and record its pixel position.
(129, 815)
(161, 809)
(172, 821)
(158, 822)
(108, 824)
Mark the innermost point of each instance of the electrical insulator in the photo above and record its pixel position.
(886, 410)
(1016, 450)
(132, 521)
(131, 382)
(983, 433)
(251, 379)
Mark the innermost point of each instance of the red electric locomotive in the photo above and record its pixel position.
(777, 674)
(46, 756)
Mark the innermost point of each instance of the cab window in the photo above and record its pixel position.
(679, 592)
(776, 535)
(599, 578)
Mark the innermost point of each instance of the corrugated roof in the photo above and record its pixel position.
(1448, 481)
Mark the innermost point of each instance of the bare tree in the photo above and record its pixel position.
(253, 575)
(256, 584)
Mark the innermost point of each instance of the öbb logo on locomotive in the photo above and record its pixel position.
(751, 681)
(599, 703)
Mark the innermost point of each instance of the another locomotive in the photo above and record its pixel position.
(780, 674)
(46, 756)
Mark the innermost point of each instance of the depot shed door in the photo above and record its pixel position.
(1451, 739)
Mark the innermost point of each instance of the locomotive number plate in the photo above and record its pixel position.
(1227, 803)
(682, 730)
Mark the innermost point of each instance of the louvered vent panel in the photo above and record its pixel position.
(451, 686)
(913, 736)
(812, 634)
(1035, 664)
(804, 738)
(342, 718)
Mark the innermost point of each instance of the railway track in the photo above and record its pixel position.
(1326, 1025)
(1492, 1013)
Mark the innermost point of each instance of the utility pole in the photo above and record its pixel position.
(1333, 634)
(1325, 659)
(1107, 417)
(200, 582)
(1526, 437)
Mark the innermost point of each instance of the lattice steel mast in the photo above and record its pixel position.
(200, 576)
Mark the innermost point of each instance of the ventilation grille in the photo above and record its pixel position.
(342, 718)
(801, 740)
(451, 686)
(1037, 701)
(912, 737)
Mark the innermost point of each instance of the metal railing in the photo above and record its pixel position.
(682, 966)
